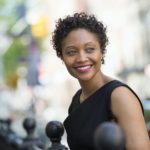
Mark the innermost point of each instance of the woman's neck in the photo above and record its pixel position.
(90, 86)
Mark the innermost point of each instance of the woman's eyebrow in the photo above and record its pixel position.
(90, 43)
(69, 47)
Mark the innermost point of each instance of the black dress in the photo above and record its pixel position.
(84, 117)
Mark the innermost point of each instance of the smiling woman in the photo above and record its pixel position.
(81, 54)
(80, 41)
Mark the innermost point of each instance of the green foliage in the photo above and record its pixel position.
(2, 2)
(7, 12)
(12, 58)
(147, 115)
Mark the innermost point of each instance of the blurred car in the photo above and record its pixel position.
(146, 104)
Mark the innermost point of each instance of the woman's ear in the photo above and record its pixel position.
(62, 60)
(61, 57)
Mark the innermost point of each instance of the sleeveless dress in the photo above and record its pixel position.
(84, 117)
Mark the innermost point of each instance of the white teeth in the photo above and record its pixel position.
(84, 67)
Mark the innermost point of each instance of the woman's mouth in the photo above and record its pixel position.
(83, 69)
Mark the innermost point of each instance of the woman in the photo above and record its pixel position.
(80, 41)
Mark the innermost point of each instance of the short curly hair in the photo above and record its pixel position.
(78, 20)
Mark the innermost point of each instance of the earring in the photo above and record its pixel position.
(102, 60)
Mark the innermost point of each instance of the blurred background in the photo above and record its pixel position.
(34, 82)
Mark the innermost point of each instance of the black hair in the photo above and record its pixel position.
(78, 20)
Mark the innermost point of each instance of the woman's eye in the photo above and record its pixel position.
(89, 49)
(71, 52)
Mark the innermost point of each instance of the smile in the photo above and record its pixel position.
(83, 69)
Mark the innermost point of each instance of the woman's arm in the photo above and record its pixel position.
(127, 110)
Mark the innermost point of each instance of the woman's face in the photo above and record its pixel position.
(81, 54)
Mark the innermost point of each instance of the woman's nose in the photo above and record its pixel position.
(81, 57)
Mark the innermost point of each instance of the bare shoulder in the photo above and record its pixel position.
(123, 99)
(128, 112)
